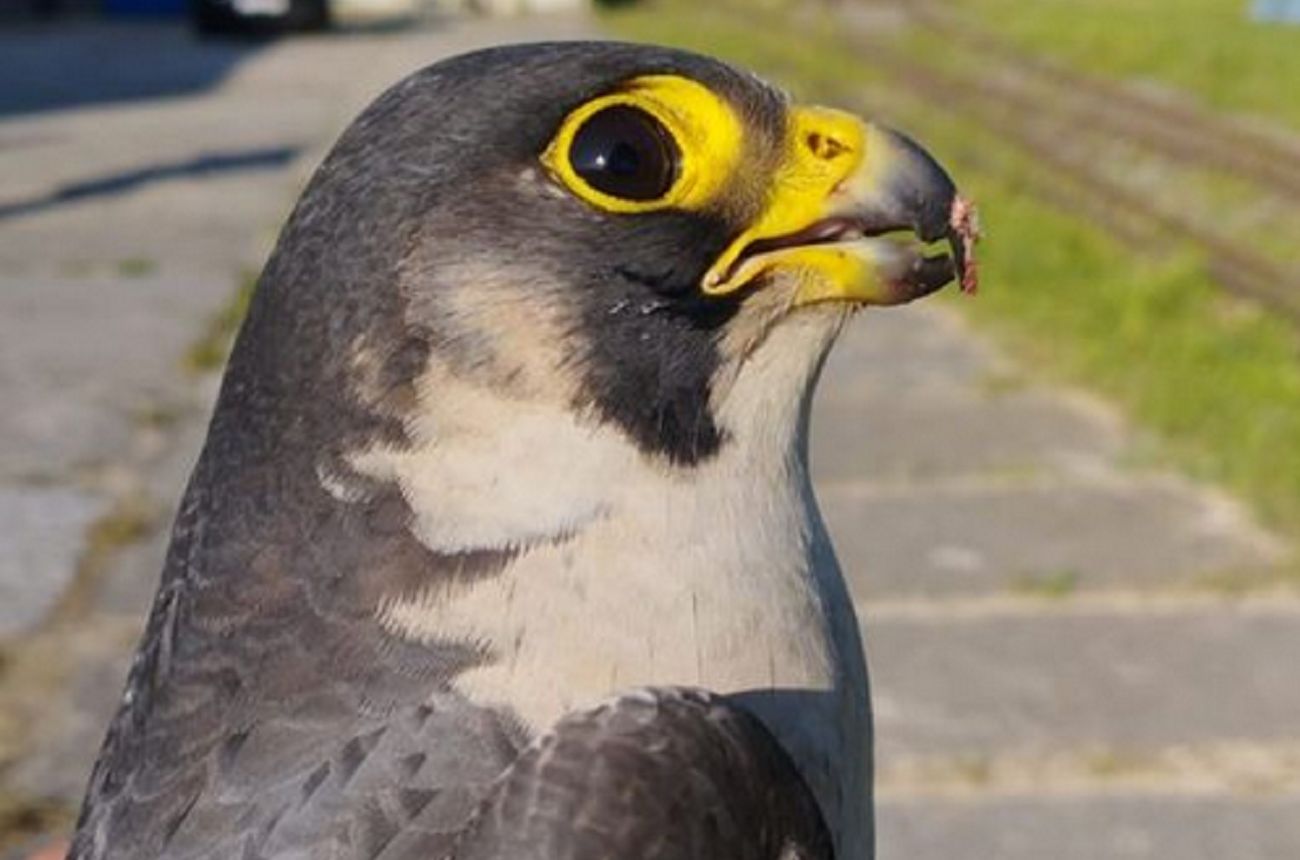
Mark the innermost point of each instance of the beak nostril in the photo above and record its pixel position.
(824, 147)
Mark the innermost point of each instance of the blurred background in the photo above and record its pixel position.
(1069, 508)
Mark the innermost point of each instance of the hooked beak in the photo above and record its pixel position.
(850, 213)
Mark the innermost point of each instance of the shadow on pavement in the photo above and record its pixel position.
(57, 66)
(202, 166)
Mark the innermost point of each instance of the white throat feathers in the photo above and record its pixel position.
(631, 571)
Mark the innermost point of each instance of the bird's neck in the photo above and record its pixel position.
(626, 568)
(629, 571)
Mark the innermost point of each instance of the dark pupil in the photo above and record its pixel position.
(625, 152)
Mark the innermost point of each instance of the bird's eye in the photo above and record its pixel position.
(625, 152)
(653, 143)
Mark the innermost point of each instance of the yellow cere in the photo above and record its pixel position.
(823, 149)
(705, 128)
(823, 272)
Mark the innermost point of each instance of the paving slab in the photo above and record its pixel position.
(865, 429)
(1125, 827)
(913, 348)
(82, 358)
(968, 538)
(944, 469)
(130, 577)
(1123, 679)
(41, 532)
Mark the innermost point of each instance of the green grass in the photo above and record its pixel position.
(136, 267)
(1052, 585)
(1219, 200)
(1217, 380)
(1210, 48)
(209, 352)
(1242, 582)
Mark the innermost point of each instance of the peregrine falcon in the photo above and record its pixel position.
(502, 543)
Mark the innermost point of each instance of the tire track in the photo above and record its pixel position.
(1177, 131)
(1016, 115)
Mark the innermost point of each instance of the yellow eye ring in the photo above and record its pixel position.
(703, 128)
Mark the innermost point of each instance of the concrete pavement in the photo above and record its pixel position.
(1064, 665)
(1072, 656)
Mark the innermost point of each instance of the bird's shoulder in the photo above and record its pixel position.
(654, 773)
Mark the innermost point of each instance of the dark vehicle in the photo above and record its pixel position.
(274, 16)
(259, 16)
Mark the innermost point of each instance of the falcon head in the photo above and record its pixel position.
(614, 229)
